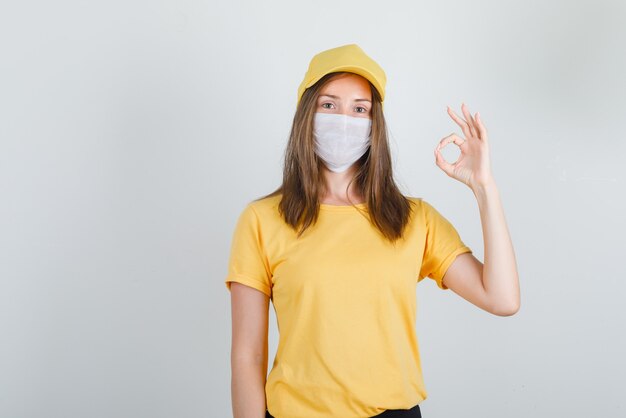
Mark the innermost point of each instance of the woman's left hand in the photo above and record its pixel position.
(473, 166)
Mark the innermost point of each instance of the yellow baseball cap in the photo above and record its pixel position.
(350, 58)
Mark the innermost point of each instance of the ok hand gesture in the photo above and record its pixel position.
(473, 166)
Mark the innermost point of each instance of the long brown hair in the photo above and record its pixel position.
(303, 180)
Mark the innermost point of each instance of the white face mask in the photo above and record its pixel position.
(340, 140)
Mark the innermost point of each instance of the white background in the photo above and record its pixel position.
(132, 134)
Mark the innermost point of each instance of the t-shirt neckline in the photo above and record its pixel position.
(327, 206)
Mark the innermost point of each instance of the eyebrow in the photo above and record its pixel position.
(337, 97)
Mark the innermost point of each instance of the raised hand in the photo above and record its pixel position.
(473, 166)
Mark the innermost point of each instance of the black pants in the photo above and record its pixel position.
(390, 413)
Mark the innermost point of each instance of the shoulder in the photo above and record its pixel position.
(264, 206)
(418, 204)
(421, 205)
(424, 213)
(414, 199)
(263, 211)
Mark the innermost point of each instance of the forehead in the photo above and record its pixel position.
(348, 85)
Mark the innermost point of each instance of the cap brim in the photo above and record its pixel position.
(352, 69)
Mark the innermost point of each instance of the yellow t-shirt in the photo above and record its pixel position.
(345, 301)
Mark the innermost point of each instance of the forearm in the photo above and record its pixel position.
(248, 388)
(500, 276)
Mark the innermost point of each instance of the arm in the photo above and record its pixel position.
(493, 286)
(249, 309)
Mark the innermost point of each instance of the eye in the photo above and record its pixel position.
(323, 104)
(361, 107)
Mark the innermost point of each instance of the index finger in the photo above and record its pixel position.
(459, 121)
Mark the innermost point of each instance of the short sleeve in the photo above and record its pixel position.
(248, 263)
(443, 244)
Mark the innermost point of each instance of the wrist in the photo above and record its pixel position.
(485, 188)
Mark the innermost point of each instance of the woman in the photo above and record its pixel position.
(339, 250)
